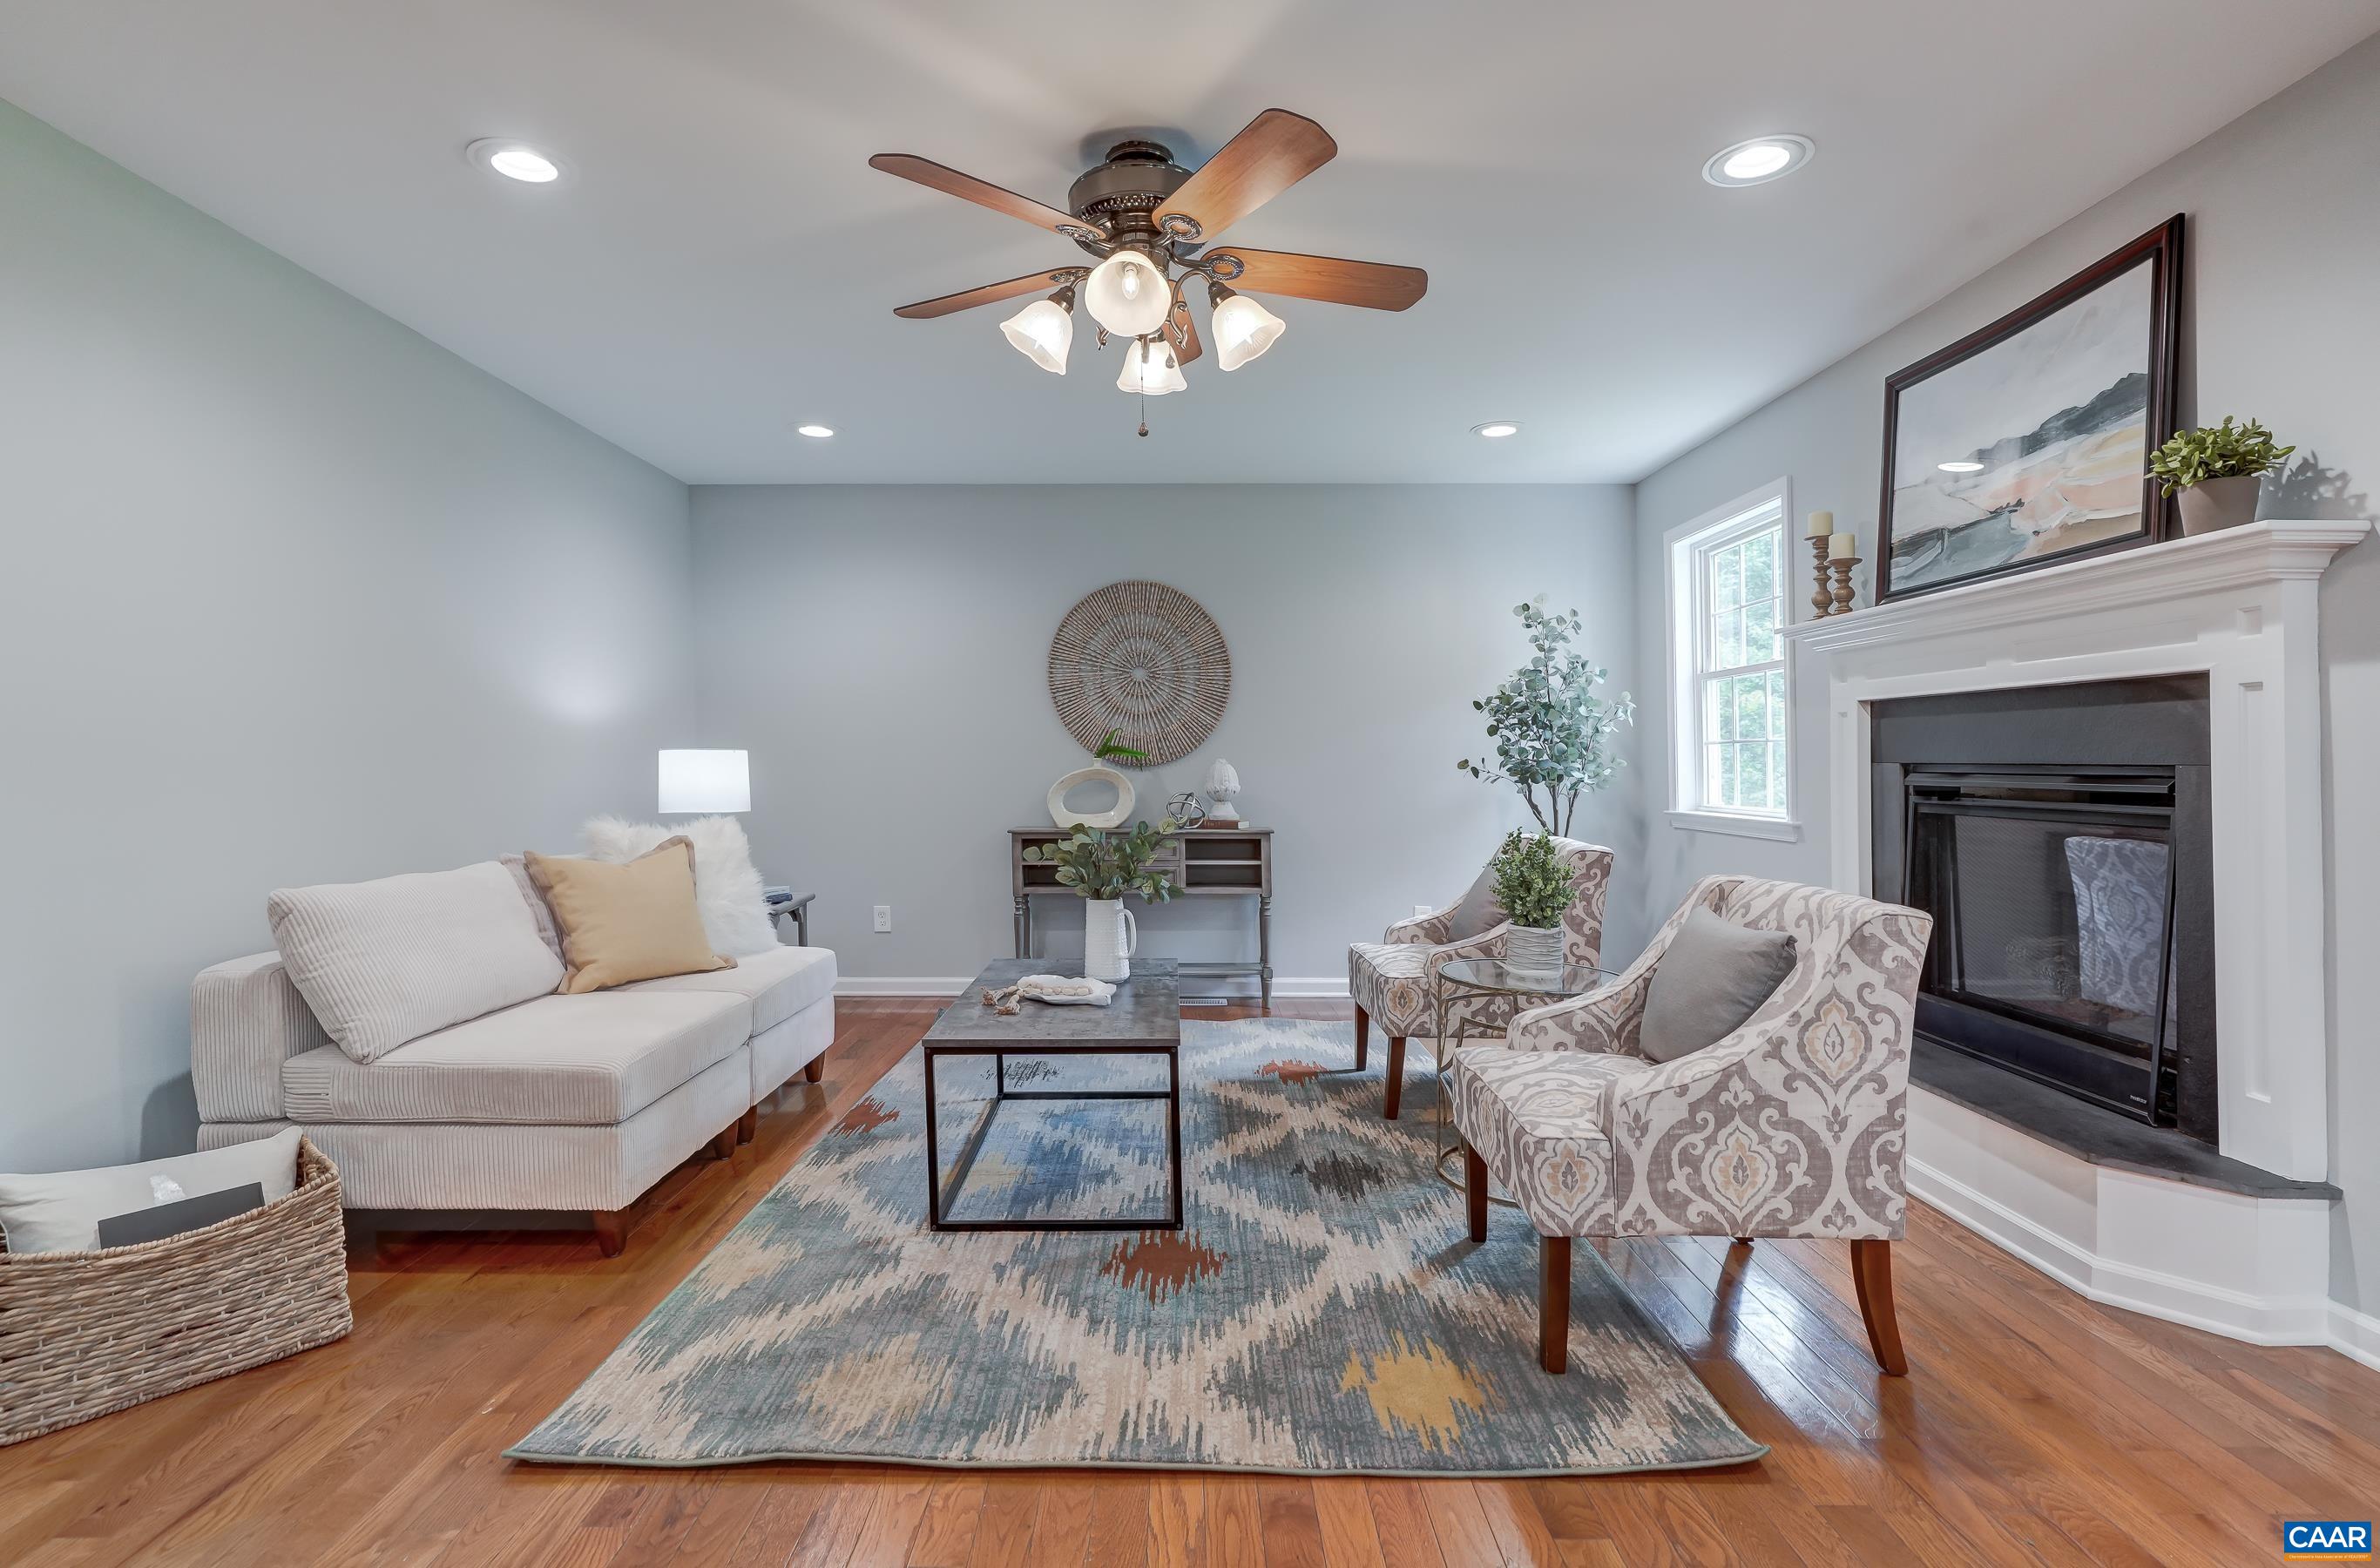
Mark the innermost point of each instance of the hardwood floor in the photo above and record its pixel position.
(2033, 1428)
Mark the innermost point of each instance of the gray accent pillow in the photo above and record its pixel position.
(1712, 977)
(1477, 913)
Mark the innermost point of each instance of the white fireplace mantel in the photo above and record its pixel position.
(2240, 607)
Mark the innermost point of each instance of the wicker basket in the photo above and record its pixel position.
(82, 1334)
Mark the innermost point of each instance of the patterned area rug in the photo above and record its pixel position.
(1320, 1311)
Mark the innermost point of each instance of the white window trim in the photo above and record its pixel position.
(1680, 545)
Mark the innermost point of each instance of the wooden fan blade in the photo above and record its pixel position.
(966, 188)
(993, 293)
(1275, 150)
(1182, 331)
(1375, 286)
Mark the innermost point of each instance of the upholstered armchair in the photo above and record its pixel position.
(1394, 981)
(1792, 1125)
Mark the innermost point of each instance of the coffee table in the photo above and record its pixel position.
(1145, 1019)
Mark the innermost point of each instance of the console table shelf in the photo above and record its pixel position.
(1203, 862)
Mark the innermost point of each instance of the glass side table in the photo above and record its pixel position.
(1492, 992)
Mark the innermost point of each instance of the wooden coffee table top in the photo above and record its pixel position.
(1144, 1015)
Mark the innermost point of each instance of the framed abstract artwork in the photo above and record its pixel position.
(2027, 443)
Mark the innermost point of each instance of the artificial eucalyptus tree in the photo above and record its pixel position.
(1552, 733)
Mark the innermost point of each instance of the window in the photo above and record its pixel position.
(1730, 706)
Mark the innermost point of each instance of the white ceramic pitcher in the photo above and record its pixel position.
(1110, 935)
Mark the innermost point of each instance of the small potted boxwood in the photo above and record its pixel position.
(1532, 888)
(2217, 470)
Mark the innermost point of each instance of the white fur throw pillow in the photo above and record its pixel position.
(726, 887)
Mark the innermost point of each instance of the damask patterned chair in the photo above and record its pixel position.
(1792, 1125)
(1394, 981)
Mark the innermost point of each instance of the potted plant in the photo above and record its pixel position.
(1533, 890)
(1101, 867)
(2217, 469)
(1551, 731)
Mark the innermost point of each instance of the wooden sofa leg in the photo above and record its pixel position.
(748, 1126)
(724, 1146)
(611, 1231)
(1474, 1192)
(1396, 1075)
(1872, 1273)
(1363, 1038)
(1553, 1303)
(816, 1071)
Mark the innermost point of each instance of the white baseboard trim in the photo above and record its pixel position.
(2309, 1320)
(2355, 1335)
(952, 985)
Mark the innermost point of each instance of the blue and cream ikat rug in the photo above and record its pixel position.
(1320, 1311)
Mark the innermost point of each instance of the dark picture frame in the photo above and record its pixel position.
(2160, 252)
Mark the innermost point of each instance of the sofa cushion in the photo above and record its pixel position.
(624, 923)
(1712, 977)
(384, 962)
(779, 983)
(582, 1061)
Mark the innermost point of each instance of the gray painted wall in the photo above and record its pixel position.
(882, 651)
(290, 595)
(2281, 320)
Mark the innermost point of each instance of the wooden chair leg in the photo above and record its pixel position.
(1396, 1075)
(816, 1072)
(611, 1231)
(1872, 1273)
(748, 1126)
(1474, 1191)
(1363, 1038)
(1553, 1303)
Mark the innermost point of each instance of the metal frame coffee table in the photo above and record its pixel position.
(1471, 980)
(1145, 1019)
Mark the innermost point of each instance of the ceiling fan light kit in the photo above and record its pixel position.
(1152, 225)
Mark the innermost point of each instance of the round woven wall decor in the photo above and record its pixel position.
(1143, 659)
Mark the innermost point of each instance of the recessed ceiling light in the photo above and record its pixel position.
(816, 433)
(1960, 467)
(1496, 430)
(515, 160)
(1759, 160)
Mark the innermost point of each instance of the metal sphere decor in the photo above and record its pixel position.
(1144, 661)
(1186, 810)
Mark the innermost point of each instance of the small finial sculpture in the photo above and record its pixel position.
(1223, 788)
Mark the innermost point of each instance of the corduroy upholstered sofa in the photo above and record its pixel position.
(560, 1103)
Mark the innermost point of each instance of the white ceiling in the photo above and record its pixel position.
(722, 265)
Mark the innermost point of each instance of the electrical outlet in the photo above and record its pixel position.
(1421, 909)
(884, 917)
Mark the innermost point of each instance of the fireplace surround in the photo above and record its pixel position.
(2232, 1236)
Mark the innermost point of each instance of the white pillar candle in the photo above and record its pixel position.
(1843, 547)
(1822, 526)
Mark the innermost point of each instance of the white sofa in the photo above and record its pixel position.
(562, 1103)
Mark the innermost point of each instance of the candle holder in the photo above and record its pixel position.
(1819, 600)
(1841, 593)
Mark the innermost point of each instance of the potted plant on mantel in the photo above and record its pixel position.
(1551, 731)
(1532, 888)
(1101, 867)
(2217, 469)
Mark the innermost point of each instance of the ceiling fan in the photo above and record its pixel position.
(1152, 225)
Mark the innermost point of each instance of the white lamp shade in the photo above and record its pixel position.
(1149, 368)
(1127, 295)
(1244, 329)
(705, 781)
(1042, 332)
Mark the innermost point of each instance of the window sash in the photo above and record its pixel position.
(1761, 791)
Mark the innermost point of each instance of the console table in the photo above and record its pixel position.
(1203, 862)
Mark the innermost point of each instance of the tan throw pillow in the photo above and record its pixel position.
(624, 923)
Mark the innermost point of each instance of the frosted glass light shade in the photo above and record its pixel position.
(705, 781)
(1042, 332)
(1127, 295)
(1243, 330)
(1149, 368)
